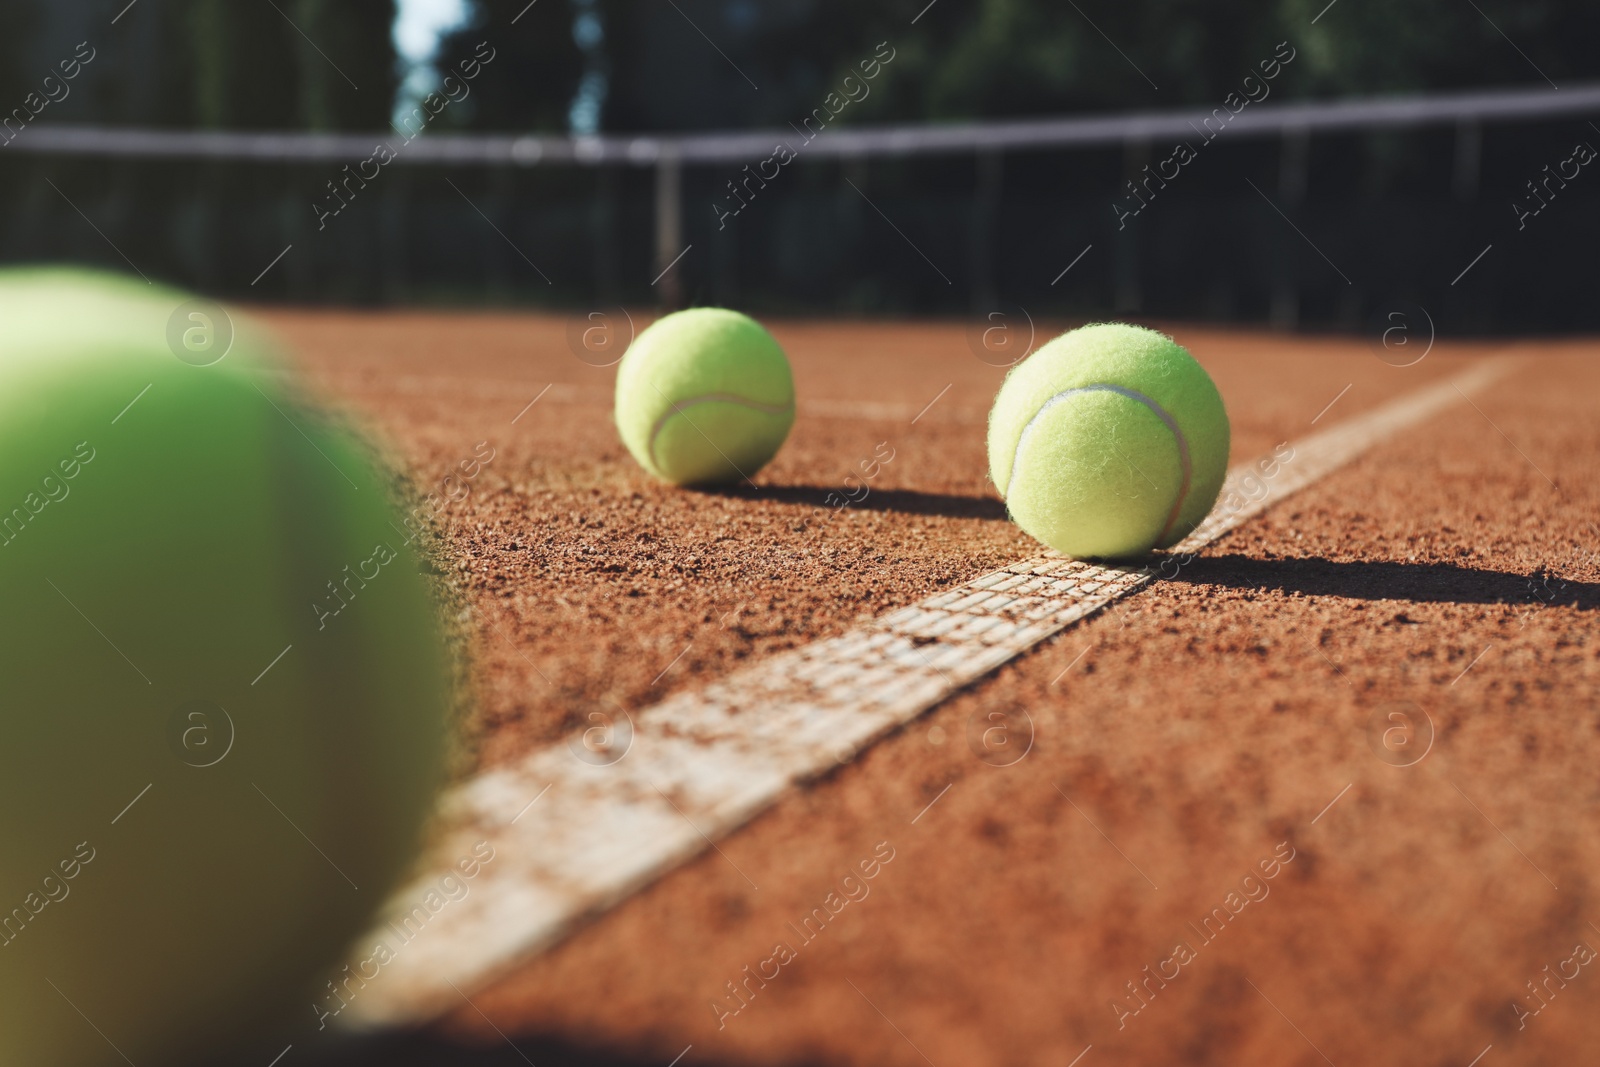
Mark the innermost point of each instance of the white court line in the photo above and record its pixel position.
(705, 762)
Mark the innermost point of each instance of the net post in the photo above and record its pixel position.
(1294, 157)
(985, 223)
(1127, 292)
(1469, 157)
(669, 227)
(604, 232)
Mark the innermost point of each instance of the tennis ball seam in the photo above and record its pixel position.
(678, 407)
(1131, 394)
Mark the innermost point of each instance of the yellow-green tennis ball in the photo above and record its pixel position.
(704, 397)
(1108, 441)
(224, 697)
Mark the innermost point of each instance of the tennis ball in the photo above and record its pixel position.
(223, 693)
(704, 396)
(1108, 441)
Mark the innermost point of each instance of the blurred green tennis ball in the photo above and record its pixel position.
(224, 696)
(1109, 441)
(704, 396)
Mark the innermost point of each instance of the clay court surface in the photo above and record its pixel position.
(1225, 722)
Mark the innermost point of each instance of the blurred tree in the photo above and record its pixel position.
(1432, 44)
(17, 60)
(535, 73)
(705, 64)
(208, 26)
(1015, 57)
(345, 60)
(279, 64)
(700, 64)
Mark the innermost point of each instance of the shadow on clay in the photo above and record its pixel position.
(415, 1049)
(908, 501)
(1423, 583)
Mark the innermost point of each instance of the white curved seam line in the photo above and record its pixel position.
(678, 407)
(1131, 394)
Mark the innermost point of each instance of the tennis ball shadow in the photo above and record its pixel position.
(422, 1049)
(906, 501)
(1423, 583)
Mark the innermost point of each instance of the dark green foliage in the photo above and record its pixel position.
(530, 82)
(1002, 58)
(1398, 211)
(221, 64)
